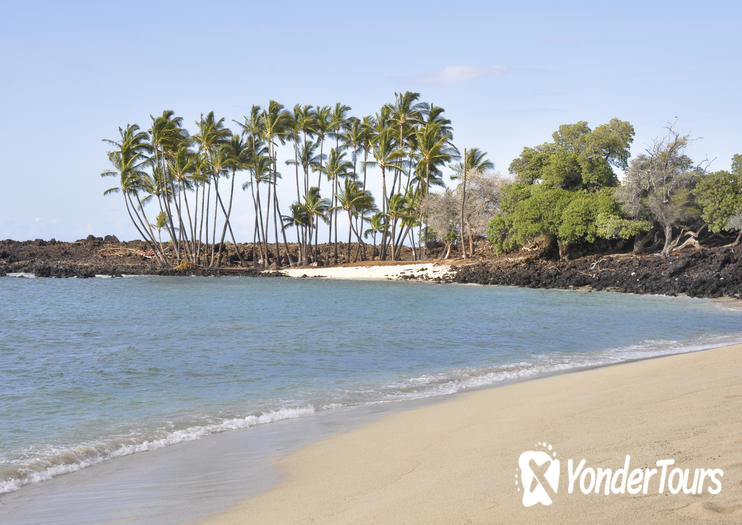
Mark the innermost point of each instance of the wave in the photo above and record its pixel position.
(34, 466)
(54, 462)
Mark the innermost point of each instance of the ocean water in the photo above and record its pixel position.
(94, 370)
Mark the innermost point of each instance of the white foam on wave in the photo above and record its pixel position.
(63, 461)
(465, 379)
(23, 275)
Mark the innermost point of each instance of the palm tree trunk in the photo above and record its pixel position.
(332, 210)
(170, 224)
(196, 240)
(361, 244)
(362, 216)
(350, 231)
(275, 211)
(394, 244)
(227, 224)
(256, 210)
(190, 227)
(217, 200)
(296, 167)
(383, 211)
(321, 155)
(182, 231)
(463, 205)
(267, 218)
(151, 245)
(254, 241)
(283, 234)
(159, 160)
(335, 214)
(148, 228)
(263, 232)
(206, 217)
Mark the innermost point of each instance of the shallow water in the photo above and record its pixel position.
(94, 370)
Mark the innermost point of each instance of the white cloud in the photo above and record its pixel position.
(459, 74)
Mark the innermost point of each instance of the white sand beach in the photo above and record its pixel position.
(376, 272)
(456, 461)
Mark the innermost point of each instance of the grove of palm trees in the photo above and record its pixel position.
(564, 197)
(183, 183)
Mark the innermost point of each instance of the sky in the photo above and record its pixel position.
(507, 73)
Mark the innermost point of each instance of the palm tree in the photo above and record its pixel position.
(434, 149)
(182, 167)
(404, 114)
(260, 167)
(276, 122)
(366, 124)
(201, 176)
(304, 119)
(409, 216)
(353, 137)
(355, 201)
(335, 168)
(128, 159)
(322, 126)
(377, 223)
(386, 156)
(212, 134)
(338, 119)
(237, 159)
(167, 136)
(474, 160)
(434, 114)
(299, 218)
(316, 208)
(251, 130)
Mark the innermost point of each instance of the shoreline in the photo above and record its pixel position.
(361, 476)
(711, 272)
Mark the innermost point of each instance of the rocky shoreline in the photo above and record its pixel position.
(708, 272)
(711, 272)
(94, 256)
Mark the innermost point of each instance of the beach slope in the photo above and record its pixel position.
(456, 461)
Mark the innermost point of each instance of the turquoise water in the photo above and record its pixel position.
(94, 369)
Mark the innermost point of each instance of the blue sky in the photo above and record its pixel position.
(507, 73)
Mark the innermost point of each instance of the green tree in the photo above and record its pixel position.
(578, 157)
(719, 195)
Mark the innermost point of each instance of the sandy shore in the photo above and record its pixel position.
(423, 271)
(456, 462)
